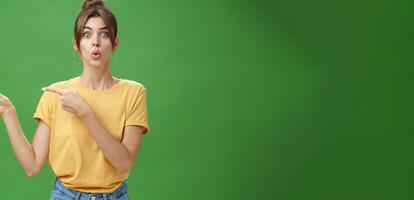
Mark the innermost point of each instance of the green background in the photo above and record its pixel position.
(247, 99)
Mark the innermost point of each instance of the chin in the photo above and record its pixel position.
(96, 63)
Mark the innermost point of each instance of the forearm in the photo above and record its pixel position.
(116, 153)
(22, 148)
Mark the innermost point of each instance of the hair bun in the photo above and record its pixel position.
(87, 4)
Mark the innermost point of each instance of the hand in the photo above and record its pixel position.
(71, 101)
(5, 105)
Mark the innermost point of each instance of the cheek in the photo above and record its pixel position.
(107, 44)
(107, 48)
(83, 48)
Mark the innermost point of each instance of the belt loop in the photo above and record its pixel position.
(105, 197)
(77, 195)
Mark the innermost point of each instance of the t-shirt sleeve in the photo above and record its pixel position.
(44, 110)
(137, 111)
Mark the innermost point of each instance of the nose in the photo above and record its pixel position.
(96, 42)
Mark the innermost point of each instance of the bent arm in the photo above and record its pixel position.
(120, 154)
(31, 156)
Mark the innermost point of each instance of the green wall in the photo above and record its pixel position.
(247, 99)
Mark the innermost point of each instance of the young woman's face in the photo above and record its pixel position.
(95, 43)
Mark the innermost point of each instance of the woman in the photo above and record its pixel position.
(89, 127)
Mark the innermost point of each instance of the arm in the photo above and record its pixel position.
(120, 154)
(31, 156)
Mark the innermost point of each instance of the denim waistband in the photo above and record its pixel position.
(62, 192)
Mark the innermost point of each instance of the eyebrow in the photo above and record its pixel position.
(102, 28)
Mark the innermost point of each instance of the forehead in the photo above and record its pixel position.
(95, 23)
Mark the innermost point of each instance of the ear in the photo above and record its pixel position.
(116, 43)
(75, 47)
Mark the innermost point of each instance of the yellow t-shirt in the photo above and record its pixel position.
(74, 156)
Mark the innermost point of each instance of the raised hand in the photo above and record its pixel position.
(5, 105)
(31, 156)
(71, 100)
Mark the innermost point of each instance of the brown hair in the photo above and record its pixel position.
(95, 8)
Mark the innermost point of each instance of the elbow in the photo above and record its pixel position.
(31, 172)
(125, 167)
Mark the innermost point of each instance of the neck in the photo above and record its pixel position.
(97, 78)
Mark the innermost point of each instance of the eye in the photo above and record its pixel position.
(105, 34)
(86, 35)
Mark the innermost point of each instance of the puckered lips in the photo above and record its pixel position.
(96, 54)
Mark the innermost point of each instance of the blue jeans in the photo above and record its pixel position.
(60, 192)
